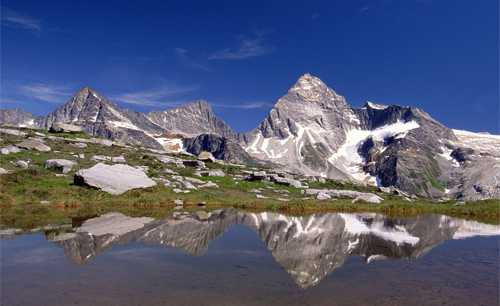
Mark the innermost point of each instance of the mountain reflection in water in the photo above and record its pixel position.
(309, 248)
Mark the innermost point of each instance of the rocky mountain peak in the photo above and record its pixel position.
(202, 104)
(307, 83)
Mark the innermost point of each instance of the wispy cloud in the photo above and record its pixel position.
(182, 56)
(46, 92)
(248, 48)
(155, 97)
(374, 6)
(14, 19)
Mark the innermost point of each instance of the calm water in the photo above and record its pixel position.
(238, 258)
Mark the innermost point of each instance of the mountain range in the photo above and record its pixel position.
(311, 130)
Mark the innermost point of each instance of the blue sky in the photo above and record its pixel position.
(242, 56)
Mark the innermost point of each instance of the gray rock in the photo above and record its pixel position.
(21, 164)
(206, 157)
(5, 151)
(460, 203)
(103, 142)
(280, 180)
(298, 184)
(194, 180)
(115, 179)
(255, 191)
(186, 185)
(177, 178)
(312, 179)
(100, 158)
(142, 168)
(193, 163)
(257, 176)
(33, 145)
(62, 164)
(13, 132)
(44, 202)
(168, 171)
(80, 145)
(12, 149)
(213, 172)
(178, 202)
(369, 198)
(321, 180)
(161, 181)
(57, 127)
(259, 196)
(209, 185)
(118, 159)
(384, 189)
(3, 171)
(323, 196)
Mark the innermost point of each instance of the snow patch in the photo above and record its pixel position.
(126, 125)
(399, 234)
(348, 152)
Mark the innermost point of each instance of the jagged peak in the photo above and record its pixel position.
(307, 82)
(86, 91)
(201, 104)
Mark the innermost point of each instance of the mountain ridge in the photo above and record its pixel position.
(311, 130)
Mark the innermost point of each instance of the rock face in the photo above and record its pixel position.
(114, 179)
(310, 131)
(191, 120)
(221, 147)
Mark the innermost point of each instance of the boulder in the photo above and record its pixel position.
(62, 164)
(209, 185)
(5, 151)
(33, 145)
(257, 176)
(115, 179)
(11, 149)
(57, 127)
(194, 180)
(13, 132)
(280, 180)
(369, 198)
(193, 163)
(384, 189)
(206, 157)
(21, 164)
(103, 142)
(323, 196)
(178, 202)
(186, 185)
(213, 172)
(298, 184)
(80, 145)
(118, 159)
(3, 171)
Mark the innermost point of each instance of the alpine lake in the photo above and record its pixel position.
(233, 257)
